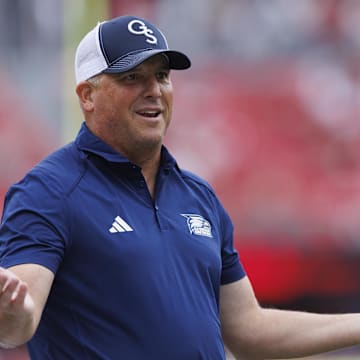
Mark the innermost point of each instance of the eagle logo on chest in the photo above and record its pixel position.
(198, 225)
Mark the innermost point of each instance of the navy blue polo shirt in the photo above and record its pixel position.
(135, 278)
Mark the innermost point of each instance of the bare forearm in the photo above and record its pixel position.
(288, 334)
(252, 332)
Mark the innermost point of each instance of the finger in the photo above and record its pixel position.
(4, 278)
(8, 291)
(19, 294)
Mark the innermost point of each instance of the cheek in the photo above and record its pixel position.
(170, 108)
(109, 103)
(168, 96)
(169, 104)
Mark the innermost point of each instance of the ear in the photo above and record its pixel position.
(85, 91)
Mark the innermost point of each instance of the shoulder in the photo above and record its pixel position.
(196, 182)
(191, 177)
(203, 190)
(57, 174)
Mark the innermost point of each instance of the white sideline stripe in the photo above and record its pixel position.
(124, 225)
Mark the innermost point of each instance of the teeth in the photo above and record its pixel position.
(150, 113)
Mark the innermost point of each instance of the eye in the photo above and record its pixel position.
(163, 75)
(125, 77)
(130, 76)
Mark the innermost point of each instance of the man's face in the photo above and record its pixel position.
(132, 110)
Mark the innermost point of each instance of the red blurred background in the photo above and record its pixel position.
(268, 114)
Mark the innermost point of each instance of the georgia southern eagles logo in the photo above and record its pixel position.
(198, 225)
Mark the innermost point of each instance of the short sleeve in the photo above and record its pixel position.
(232, 268)
(33, 228)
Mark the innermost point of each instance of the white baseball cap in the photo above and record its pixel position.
(119, 45)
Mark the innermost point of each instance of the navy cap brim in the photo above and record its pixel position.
(177, 60)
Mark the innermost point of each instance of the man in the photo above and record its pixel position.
(110, 251)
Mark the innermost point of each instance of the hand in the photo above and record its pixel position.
(14, 296)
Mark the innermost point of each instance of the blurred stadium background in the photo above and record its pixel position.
(268, 114)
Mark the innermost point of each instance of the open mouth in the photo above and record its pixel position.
(149, 114)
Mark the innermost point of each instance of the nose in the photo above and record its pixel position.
(152, 87)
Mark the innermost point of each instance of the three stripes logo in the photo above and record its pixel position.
(120, 225)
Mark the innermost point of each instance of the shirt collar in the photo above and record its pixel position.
(87, 142)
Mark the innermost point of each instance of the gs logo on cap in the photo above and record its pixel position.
(138, 27)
